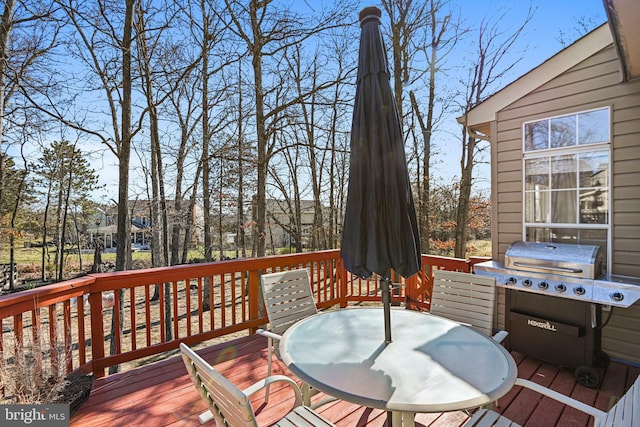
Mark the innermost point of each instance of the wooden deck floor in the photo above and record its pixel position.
(161, 394)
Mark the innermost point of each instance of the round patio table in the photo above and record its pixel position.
(433, 364)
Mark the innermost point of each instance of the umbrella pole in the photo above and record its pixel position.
(385, 287)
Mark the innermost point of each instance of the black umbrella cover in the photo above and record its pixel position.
(380, 229)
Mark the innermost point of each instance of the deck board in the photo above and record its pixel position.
(161, 393)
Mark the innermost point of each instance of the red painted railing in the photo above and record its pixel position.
(71, 322)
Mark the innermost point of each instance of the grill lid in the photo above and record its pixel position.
(583, 261)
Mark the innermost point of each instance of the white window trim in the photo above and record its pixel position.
(549, 152)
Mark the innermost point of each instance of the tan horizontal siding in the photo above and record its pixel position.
(511, 160)
(513, 207)
(625, 183)
(626, 154)
(626, 114)
(621, 336)
(627, 205)
(512, 177)
(626, 101)
(626, 128)
(606, 66)
(512, 134)
(628, 243)
(629, 232)
(509, 197)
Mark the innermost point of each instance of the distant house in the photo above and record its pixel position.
(279, 222)
(105, 221)
(579, 110)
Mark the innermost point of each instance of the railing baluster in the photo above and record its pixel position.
(132, 317)
(147, 313)
(68, 343)
(176, 314)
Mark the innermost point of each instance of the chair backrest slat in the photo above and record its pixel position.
(288, 298)
(464, 297)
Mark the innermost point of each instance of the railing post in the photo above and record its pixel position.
(254, 296)
(342, 284)
(97, 331)
(411, 292)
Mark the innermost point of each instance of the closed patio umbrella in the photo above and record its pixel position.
(380, 230)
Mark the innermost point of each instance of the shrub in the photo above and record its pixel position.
(34, 373)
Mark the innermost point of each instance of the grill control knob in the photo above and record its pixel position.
(543, 285)
(579, 291)
(560, 288)
(617, 296)
(527, 283)
(512, 281)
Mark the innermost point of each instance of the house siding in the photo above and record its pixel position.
(593, 83)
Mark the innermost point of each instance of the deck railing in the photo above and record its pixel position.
(101, 320)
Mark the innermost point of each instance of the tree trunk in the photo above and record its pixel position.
(464, 198)
(65, 213)
(189, 220)
(45, 247)
(123, 247)
(424, 185)
(59, 234)
(261, 132)
(6, 24)
(241, 249)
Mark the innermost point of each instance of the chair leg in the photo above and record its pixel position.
(205, 417)
(306, 394)
(269, 359)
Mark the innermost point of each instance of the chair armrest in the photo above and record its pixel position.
(274, 379)
(269, 334)
(599, 415)
(500, 336)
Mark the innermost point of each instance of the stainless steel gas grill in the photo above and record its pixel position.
(555, 299)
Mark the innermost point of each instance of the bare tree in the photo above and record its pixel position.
(422, 34)
(183, 106)
(108, 54)
(28, 32)
(206, 133)
(268, 31)
(338, 127)
(493, 62)
(16, 197)
(147, 41)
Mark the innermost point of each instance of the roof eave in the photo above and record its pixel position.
(622, 16)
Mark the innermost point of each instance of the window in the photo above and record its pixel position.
(566, 179)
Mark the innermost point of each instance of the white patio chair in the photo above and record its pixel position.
(230, 406)
(625, 413)
(287, 298)
(466, 298)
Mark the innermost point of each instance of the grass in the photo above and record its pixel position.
(479, 248)
(34, 256)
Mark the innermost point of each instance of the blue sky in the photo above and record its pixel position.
(555, 24)
(552, 21)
